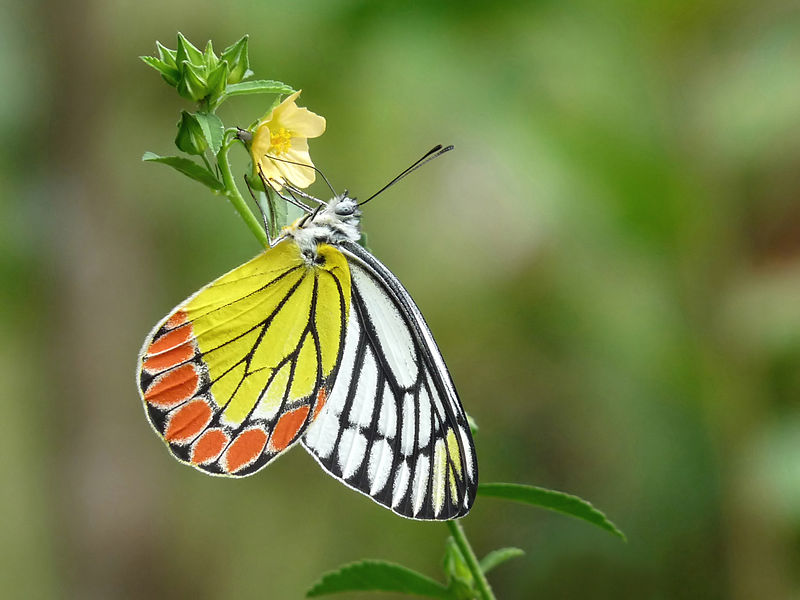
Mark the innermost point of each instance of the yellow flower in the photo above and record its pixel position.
(284, 134)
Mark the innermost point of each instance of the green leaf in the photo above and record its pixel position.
(187, 167)
(170, 74)
(259, 86)
(460, 581)
(379, 576)
(552, 500)
(498, 557)
(187, 52)
(213, 129)
(363, 241)
(236, 55)
(277, 211)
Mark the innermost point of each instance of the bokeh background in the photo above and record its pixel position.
(610, 262)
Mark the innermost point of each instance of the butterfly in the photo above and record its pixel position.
(313, 341)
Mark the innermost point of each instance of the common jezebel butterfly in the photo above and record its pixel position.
(316, 341)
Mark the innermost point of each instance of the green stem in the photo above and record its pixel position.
(457, 531)
(232, 193)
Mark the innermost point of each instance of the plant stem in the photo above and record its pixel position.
(457, 531)
(232, 193)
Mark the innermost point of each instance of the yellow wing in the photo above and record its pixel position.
(235, 374)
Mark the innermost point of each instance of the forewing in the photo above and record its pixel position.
(234, 375)
(393, 427)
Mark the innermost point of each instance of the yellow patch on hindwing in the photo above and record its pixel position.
(455, 456)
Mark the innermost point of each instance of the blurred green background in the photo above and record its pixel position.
(610, 262)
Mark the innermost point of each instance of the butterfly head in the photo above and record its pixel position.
(332, 223)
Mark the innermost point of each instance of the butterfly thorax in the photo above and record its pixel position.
(334, 223)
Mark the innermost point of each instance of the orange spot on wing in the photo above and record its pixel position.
(209, 446)
(176, 320)
(173, 388)
(322, 396)
(287, 427)
(188, 421)
(169, 340)
(245, 449)
(170, 358)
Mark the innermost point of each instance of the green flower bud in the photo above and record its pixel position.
(209, 58)
(192, 84)
(166, 55)
(238, 61)
(190, 136)
(217, 80)
(187, 52)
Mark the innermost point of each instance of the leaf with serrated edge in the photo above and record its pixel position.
(498, 557)
(187, 167)
(259, 86)
(212, 128)
(378, 576)
(550, 499)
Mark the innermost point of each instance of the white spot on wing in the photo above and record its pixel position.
(342, 384)
(409, 418)
(364, 399)
(400, 483)
(420, 485)
(393, 333)
(437, 401)
(380, 465)
(387, 421)
(352, 447)
(424, 418)
(322, 433)
(467, 452)
(439, 472)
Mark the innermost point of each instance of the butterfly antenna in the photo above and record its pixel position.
(291, 162)
(434, 152)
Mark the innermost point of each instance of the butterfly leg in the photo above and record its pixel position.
(267, 225)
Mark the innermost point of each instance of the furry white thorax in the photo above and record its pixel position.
(335, 223)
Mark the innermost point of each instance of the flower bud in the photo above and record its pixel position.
(192, 84)
(238, 61)
(190, 138)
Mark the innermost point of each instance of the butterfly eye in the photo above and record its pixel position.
(344, 210)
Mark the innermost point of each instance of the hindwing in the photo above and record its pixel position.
(393, 427)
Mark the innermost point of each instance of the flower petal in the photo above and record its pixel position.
(262, 139)
(290, 99)
(297, 174)
(299, 120)
(302, 122)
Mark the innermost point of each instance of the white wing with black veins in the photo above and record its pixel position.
(393, 427)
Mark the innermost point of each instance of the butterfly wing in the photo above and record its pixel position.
(393, 427)
(234, 375)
